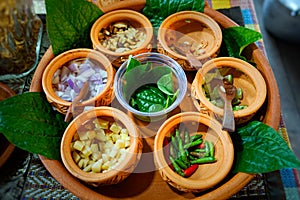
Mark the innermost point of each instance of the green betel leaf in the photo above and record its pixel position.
(29, 122)
(132, 63)
(69, 23)
(237, 38)
(157, 10)
(260, 149)
(165, 84)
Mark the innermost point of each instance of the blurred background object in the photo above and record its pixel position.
(20, 35)
(282, 19)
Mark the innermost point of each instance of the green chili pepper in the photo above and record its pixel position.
(191, 157)
(193, 143)
(211, 149)
(203, 160)
(176, 167)
(238, 107)
(239, 93)
(186, 137)
(195, 137)
(228, 78)
(198, 154)
(181, 133)
(182, 152)
(207, 150)
(172, 150)
(181, 163)
(174, 143)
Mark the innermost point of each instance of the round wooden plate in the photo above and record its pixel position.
(149, 185)
(6, 148)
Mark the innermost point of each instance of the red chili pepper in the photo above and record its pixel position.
(201, 146)
(190, 170)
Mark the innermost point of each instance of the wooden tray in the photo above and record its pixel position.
(149, 185)
(6, 148)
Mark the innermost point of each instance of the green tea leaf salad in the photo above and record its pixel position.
(148, 87)
(29, 122)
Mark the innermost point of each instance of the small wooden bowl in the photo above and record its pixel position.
(245, 76)
(6, 148)
(107, 6)
(135, 19)
(105, 97)
(121, 171)
(207, 175)
(193, 28)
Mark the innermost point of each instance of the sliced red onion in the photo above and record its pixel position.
(74, 67)
(73, 76)
(73, 85)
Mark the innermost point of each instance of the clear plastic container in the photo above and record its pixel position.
(178, 77)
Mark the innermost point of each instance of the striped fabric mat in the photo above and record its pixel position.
(40, 184)
(289, 177)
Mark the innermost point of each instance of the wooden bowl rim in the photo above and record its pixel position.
(224, 138)
(244, 67)
(102, 111)
(71, 55)
(232, 186)
(111, 17)
(198, 16)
